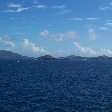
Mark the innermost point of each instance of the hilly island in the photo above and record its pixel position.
(8, 55)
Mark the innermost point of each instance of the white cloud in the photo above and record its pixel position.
(45, 33)
(109, 24)
(6, 42)
(105, 8)
(87, 51)
(76, 19)
(71, 35)
(84, 50)
(58, 36)
(12, 5)
(80, 19)
(59, 7)
(92, 18)
(40, 6)
(9, 44)
(35, 2)
(16, 8)
(32, 46)
(21, 9)
(107, 52)
(64, 12)
(92, 33)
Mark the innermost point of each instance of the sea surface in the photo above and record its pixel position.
(55, 86)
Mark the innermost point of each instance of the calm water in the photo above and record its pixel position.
(55, 86)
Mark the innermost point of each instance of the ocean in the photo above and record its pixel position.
(55, 86)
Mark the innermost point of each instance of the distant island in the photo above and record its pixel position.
(46, 57)
(8, 55)
(73, 57)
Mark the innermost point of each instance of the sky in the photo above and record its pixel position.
(56, 27)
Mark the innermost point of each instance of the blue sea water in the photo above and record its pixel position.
(55, 86)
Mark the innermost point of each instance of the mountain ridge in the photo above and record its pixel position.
(9, 55)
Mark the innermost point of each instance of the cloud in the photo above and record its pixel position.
(92, 33)
(109, 24)
(9, 44)
(71, 35)
(58, 7)
(92, 18)
(80, 19)
(64, 12)
(87, 51)
(84, 50)
(6, 42)
(16, 8)
(12, 18)
(40, 6)
(107, 52)
(45, 33)
(35, 2)
(105, 8)
(32, 46)
(12, 5)
(58, 36)
(76, 19)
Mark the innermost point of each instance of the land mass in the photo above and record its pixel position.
(8, 55)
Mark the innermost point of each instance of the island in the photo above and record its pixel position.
(8, 55)
(46, 57)
(73, 57)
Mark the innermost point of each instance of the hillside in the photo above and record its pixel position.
(8, 55)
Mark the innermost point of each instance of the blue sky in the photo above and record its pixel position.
(56, 27)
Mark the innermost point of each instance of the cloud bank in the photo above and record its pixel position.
(70, 35)
(87, 51)
(6, 42)
(32, 46)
